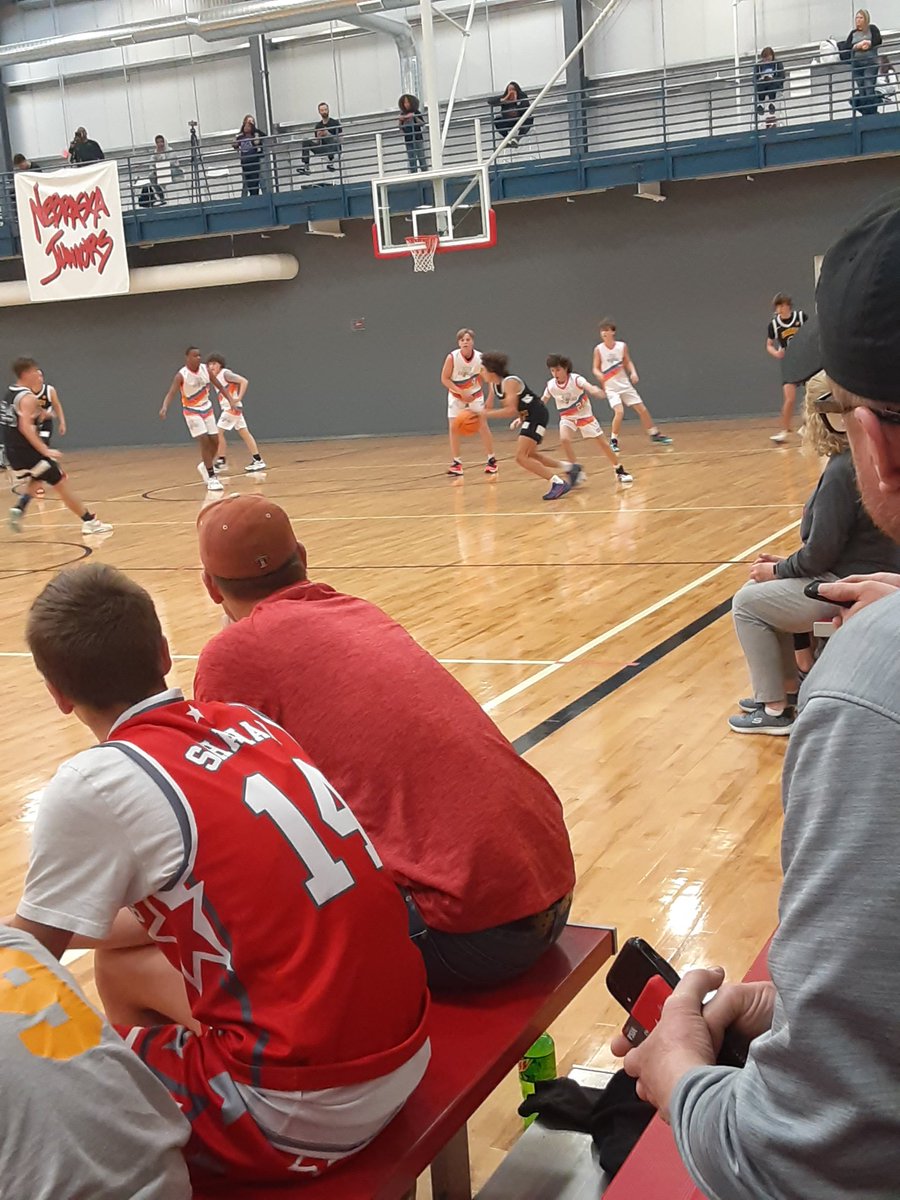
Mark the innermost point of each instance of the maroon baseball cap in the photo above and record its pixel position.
(245, 537)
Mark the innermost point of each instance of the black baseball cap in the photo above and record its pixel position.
(858, 302)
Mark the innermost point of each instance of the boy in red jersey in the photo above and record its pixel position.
(271, 982)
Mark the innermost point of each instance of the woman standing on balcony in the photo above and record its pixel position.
(411, 124)
(862, 44)
(249, 144)
(768, 80)
(513, 104)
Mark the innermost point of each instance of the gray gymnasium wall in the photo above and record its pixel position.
(689, 282)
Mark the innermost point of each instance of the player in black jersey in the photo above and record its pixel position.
(34, 461)
(531, 418)
(785, 322)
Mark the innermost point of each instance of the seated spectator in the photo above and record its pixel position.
(249, 145)
(326, 139)
(472, 835)
(21, 163)
(412, 125)
(83, 149)
(886, 82)
(839, 539)
(264, 971)
(814, 1113)
(513, 104)
(861, 44)
(768, 81)
(84, 1116)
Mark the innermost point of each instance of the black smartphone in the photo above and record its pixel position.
(812, 590)
(632, 980)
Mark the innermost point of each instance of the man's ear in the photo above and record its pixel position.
(65, 706)
(165, 658)
(301, 551)
(214, 594)
(883, 448)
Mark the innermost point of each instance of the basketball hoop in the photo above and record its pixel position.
(423, 250)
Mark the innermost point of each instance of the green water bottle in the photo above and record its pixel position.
(539, 1062)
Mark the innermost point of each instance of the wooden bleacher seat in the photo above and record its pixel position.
(476, 1040)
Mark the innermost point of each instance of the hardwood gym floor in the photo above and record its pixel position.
(675, 822)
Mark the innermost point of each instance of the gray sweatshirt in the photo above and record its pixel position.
(838, 534)
(815, 1114)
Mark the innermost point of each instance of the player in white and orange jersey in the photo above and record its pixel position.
(571, 394)
(617, 375)
(194, 386)
(461, 377)
(231, 402)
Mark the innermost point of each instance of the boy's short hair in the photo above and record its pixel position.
(461, 333)
(607, 324)
(190, 350)
(216, 358)
(781, 298)
(496, 363)
(21, 365)
(94, 634)
(559, 360)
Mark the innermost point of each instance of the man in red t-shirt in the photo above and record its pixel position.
(270, 984)
(470, 832)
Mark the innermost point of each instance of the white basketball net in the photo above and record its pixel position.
(423, 250)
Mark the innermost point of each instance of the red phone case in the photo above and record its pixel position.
(647, 1010)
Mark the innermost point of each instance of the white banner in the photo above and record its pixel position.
(70, 225)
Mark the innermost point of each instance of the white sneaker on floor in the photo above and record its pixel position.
(780, 438)
(215, 485)
(95, 526)
(256, 466)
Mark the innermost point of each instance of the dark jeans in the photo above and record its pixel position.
(488, 957)
(503, 124)
(251, 168)
(415, 151)
(319, 146)
(865, 98)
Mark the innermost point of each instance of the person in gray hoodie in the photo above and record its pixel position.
(815, 1113)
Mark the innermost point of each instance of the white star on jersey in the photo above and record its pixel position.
(195, 714)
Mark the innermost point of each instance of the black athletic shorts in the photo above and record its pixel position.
(34, 466)
(535, 419)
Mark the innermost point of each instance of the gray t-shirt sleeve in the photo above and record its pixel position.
(104, 838)
(833, 518)
(816, 1111)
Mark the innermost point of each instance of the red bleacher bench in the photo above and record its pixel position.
(476, 1040)
(654, 1168)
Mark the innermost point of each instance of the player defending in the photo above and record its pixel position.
(269, 979)
(27, 454)
(231, 401)
(617, 375)
(531, 417)
(193, 384)
(570, 394)
(786, 321)
(461, 377)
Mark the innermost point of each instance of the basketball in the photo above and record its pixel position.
(468, 422)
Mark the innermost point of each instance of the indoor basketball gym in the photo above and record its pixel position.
(594, 630)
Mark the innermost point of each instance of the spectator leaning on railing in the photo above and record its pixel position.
(249, 145)
(815, 1114)
(513, 104)
(83, 149)
(21, 163)
(412, 124)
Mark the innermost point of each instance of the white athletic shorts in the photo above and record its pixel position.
(455, 407)
(232, 418)
(624, 394)
(588, 427)
(198, 424)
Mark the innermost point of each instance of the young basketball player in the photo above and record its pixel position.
(531, 418)
(461, 377)
(786, 321)
(232, 414)
(50, 408)
(265, 972)
(35, 461)
(617, 375)
(194, 385)
(570, 392)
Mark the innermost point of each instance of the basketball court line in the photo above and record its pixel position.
(523, 686)
(451, 662)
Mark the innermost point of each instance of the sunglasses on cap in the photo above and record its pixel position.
(834, 414)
